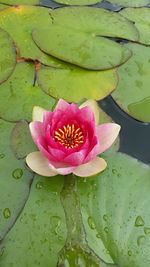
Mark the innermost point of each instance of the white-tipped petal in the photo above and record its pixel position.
(95, 108)
(39, 164)
(91, 168)
(37, 113)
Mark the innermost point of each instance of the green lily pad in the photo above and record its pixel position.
(130, 3)
(15, 182)
(95, 21)
(141, 17)
(8, 56)
(81, 49)
(21, 141)
(76, 84)
(20, 2)
(18, 94)
(78, 2)
(115, 209)
(87, 48)
(2, 6)
(132, 93)
(19, 22)
(40, 231)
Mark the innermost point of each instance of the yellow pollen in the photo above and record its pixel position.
(69, 136)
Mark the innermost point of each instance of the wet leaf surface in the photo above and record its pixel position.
(15, 181)
(132, 93)
(115, 208)
(19, 91)
(8, 56)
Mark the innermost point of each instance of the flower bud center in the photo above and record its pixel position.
(69, 136)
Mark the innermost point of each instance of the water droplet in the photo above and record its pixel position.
(2, 156)
(129, 252)
(6, 213)
(139, 221)
(114, 171)
(106, 229)
(55, 224)
(17, 173)
(2, 251)
(147, 230)
(98, 235)
(39, 185)
(107, 251)
(140, 240)
(105, 217)
(91, 223)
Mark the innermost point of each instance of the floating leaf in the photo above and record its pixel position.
(15, 182)
(130, 3)
(19, 22)
(96, 21)
(132, 93)
(87, 48)
(2, 6)
(7, 56)
(81, 49)
(21, 141)
(141, 17)
(18, 94)
(78, 2)
(40, 231)
(117, 203)
(76, 84)
(20, 2)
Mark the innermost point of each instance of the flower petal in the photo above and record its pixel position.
(91, 168)
(62, 105)
(36, 129)
(39, 164)
(107, 133)
(95, 108)
(47, 117)
(37, 113)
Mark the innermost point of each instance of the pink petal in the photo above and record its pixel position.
(107, 133)
(87, 113)
(42, 145)
(63, 168)
(39, 164)
(47, 117)
(62, 105)
(94, 150)
(95, 108)
(91, 168)
(76, 158)
(36, 129)
(57, 153)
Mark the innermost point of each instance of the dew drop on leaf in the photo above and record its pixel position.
(139, 221)
(17, 173)
(6, 213)
(91, 223)
(140, 240)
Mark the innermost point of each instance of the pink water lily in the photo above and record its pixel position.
(69, 140)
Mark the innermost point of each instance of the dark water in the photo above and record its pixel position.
(135, 135)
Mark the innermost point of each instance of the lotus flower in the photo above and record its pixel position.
(69, 140)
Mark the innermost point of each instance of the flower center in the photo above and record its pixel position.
(69, 136)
